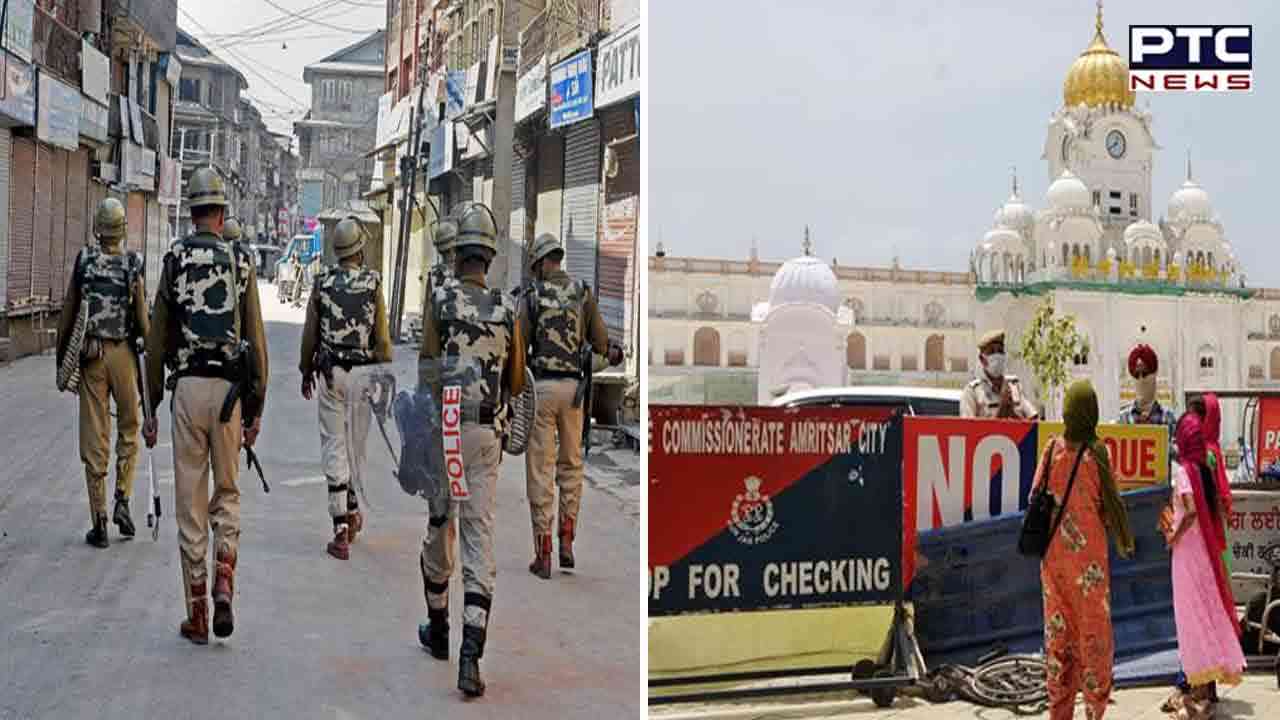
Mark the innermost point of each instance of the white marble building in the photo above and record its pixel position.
(735, 330)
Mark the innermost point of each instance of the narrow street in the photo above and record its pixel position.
(93, 633)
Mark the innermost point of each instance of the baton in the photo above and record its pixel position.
(251, 461)
(153, 517)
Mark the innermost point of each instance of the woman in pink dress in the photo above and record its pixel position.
(1208, 631)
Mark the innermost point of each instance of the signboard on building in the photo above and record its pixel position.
(172, 69)
(57, 113)
(531, 90)
(770, 508)
(383, 133)
(440, 161)
(20, 17)
(455, 83)
(571, 90)
(170, 190)
(139, 166)
(1268, 440)
(95, 73)
(619, 76)
(95, 121)
(1254, 534)
(17, 92)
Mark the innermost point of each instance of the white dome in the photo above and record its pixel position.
(1015, 214)
(1143, 230)
(805, 279)
(1003, 239)
(1069, 194)
(1190, 202)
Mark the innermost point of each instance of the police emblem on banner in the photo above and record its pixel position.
(751, 519)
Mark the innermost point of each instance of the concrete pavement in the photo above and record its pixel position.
(93, 633)
(1257, 698)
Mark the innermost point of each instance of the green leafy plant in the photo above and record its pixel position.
(1048, 347)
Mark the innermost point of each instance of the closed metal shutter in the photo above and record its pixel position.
(22, 220)
(58, 227)
(157, 245)
(621, 193)
(43, 249)
(6, 150)
(78, 228)
(581, 201)
(137, 214)
(520, 243)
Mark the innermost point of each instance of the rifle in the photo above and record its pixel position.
(243, 391)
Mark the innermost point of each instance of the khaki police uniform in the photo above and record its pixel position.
(556, 315)
(110, 281)
(980, 399)
(347, 322)
(199, 343)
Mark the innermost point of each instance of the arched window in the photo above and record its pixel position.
(1065, 251)
(855, 351)
(934, 354)
(706, 347)
(1146, 256)
(1275, 364)
(1215, 267)
(1088, 255)
(1157, 257)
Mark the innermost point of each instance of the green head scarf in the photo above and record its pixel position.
(1080, 414)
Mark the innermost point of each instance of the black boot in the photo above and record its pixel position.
(469, 681)
(97, 537)
(434, 633)
(121, 516)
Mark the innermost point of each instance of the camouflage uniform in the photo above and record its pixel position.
(206, 310)
(556, 315)
(470, 338)
(346, 318)
(111, 283)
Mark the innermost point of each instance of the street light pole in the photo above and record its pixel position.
(501, 274)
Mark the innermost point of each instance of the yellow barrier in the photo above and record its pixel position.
(1139, 453)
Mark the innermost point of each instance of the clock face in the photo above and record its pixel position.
(1115, 144)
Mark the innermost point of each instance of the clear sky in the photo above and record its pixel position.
(890, 127)
(249, 34)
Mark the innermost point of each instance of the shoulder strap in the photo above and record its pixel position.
(1048, 463)
(1071, 483)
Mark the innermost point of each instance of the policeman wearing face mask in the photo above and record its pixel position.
(993, 394)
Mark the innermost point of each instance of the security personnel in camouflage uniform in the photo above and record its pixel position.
(993, 394)
(346, 329)
(206, 316)
(556, 315)
(442, 272)
(470, 338)
(110, 280)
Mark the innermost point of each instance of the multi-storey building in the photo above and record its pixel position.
(337, 132)
(207, 122)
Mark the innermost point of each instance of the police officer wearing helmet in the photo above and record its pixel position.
(346, 330)
(109, 280)
(994, 394)
(557, 316)
(470, 339)
(446, 232)
(209, 349)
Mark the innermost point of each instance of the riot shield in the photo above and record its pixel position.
(421, 468)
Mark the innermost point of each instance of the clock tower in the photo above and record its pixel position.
(1103, 139)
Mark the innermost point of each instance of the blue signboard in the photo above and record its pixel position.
(571, 94)
(312, 197)
(57, 113)
(455, 84)
(18, 96)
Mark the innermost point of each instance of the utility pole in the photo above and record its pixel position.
(501, 273)
(408, 177)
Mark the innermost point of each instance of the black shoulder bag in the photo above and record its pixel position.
(1039, 526)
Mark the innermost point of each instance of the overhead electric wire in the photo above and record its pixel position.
(250, 65)
(314, 22)
(283, 19)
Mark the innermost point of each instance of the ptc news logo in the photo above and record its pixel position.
(1191, 58)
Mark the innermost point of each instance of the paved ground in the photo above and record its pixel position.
(93, 633)
(1255, 699)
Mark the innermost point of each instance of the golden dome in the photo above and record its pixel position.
(1099, 76)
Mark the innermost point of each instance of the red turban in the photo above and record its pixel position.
(1145, 354)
